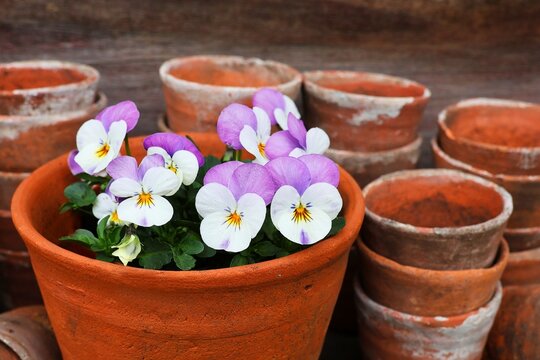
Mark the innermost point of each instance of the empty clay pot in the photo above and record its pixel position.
(8, 183)
(516, 329)
(523, 230)
(435, 219)
(27, 142)
(275, 309)
(499, 136)
(428, 292)
(385, 333)
(368, 166)
(44, 87)
(197, 88)
(364, 111)
(523, 268)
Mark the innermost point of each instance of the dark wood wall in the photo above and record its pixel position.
(458, 48)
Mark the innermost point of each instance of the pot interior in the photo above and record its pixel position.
(510, 126)
(434, 201)
(20, 78)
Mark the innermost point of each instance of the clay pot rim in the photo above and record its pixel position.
(492, 223)
(428, 321)
(523, 231)
(366, 155)
(292, 266)
(91, 76)
(175, 83)
(311, 76)
(524, 256)
(488, 102)
(14, 175)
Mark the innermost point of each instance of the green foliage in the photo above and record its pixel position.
(79, 195)
(155, 255)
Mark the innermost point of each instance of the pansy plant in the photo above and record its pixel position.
(176, 209)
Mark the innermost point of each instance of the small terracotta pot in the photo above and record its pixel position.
(44, 87)
(8, 183)
(275, 309)
(28, 142)
(197, 88)
(499, 136)
(523, 230)
(523, 268)
(516, 330)
(385, 333)
(162, 124)
(435, 219)
(364, 111)
(368, 166)
(428, 292)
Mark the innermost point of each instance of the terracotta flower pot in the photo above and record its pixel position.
(385, 333)
(44, 87)
(364, 111)
(523, 230)
(27, 142)
(428, 292)
(516, 329)
(523, 268)
(197, 88)
(275, 309)
(368, 166)
(499, 136)
(435, 219)
(8, 183)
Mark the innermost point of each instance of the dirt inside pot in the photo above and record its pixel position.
(13, 78)
(435, 201)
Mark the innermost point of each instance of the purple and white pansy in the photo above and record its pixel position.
(277, 105)
(106, 204)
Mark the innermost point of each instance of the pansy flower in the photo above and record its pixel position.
(307, 199)
(277, 105)
(297, 141)
(232, 203)
(143, 188)
(106, 204)
(128, 249)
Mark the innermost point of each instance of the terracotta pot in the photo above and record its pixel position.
(523, 268)
(8, 183)
(516, 329)
(523, 230)
(28, 142)
(428, 292)
(364, 111)
(44, 87)
(26, 334)
(276, 309)
(197, 88)
(162, 123)
(435, 219)
(499, 136)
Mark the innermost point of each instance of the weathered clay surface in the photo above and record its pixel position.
(28, 142)
(385, 333)
(435, 219)
(197, 88)
(45, 87)
(428, 292)
(364, 111)
(368, 166)
(499, 136)
(524, 225)
(523, 268)
(8, 183)
(516, 330)
(277, 309)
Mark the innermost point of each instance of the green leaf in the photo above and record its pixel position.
(239, 260)
(184, 261)
(337, 224)
(104, 257)
(268, 227)
(66, 207)
(93, 179)
(85, 237)
(80, 194)
(265, 248)
(282, 253)
(208, 252)
(191, 244)
(102, 225)
(155, 255)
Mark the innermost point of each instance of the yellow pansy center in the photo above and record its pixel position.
(301, 213)
(172, 166)
(114, 217)
(145, 199)
(234, 219)
(103, 150)
(261, 147)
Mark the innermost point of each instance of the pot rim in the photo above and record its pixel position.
(488, 102)
(312, 86)
(492, 223)
(91, 76)
(292, 266)
(384, 154)
(176, 83)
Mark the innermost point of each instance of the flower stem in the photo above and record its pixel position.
(126, 142)
(237, 155)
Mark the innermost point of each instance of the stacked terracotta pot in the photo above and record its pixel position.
(42, 104)
(500, 141)
(431, 256)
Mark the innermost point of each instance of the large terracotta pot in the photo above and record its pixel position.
(428, 292)
(364, 112)
(44, 87)
(197, 88)
(523, 268)
(435, 219)
(27, 142)
(277, 309)
(385, 333)
(523, 230)
(499, 136)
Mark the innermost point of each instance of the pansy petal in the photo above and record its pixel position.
(123, 167)
(269, 100)
(159, 151)
(252, 178)
(160, 181)
(297, 129)
(250, 142)
(264, 127)
(124, 187)
(74, 167)
(325, 197)
(305, 232)
(116, 135)
(280, 144)
(317, 141)
(281, 118)
(148, 162)
(321, 168)
(91, 132)
(289, 171)
(88, 159)
(172, 143)
(158, 213)
(125, 110)
(103, 206)
(253, 211)
(218, 235)
(231, 121)
(187, 164)
(221, 173)
(214, 197)
(285, 197)
(297, 152)
(290, 107)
